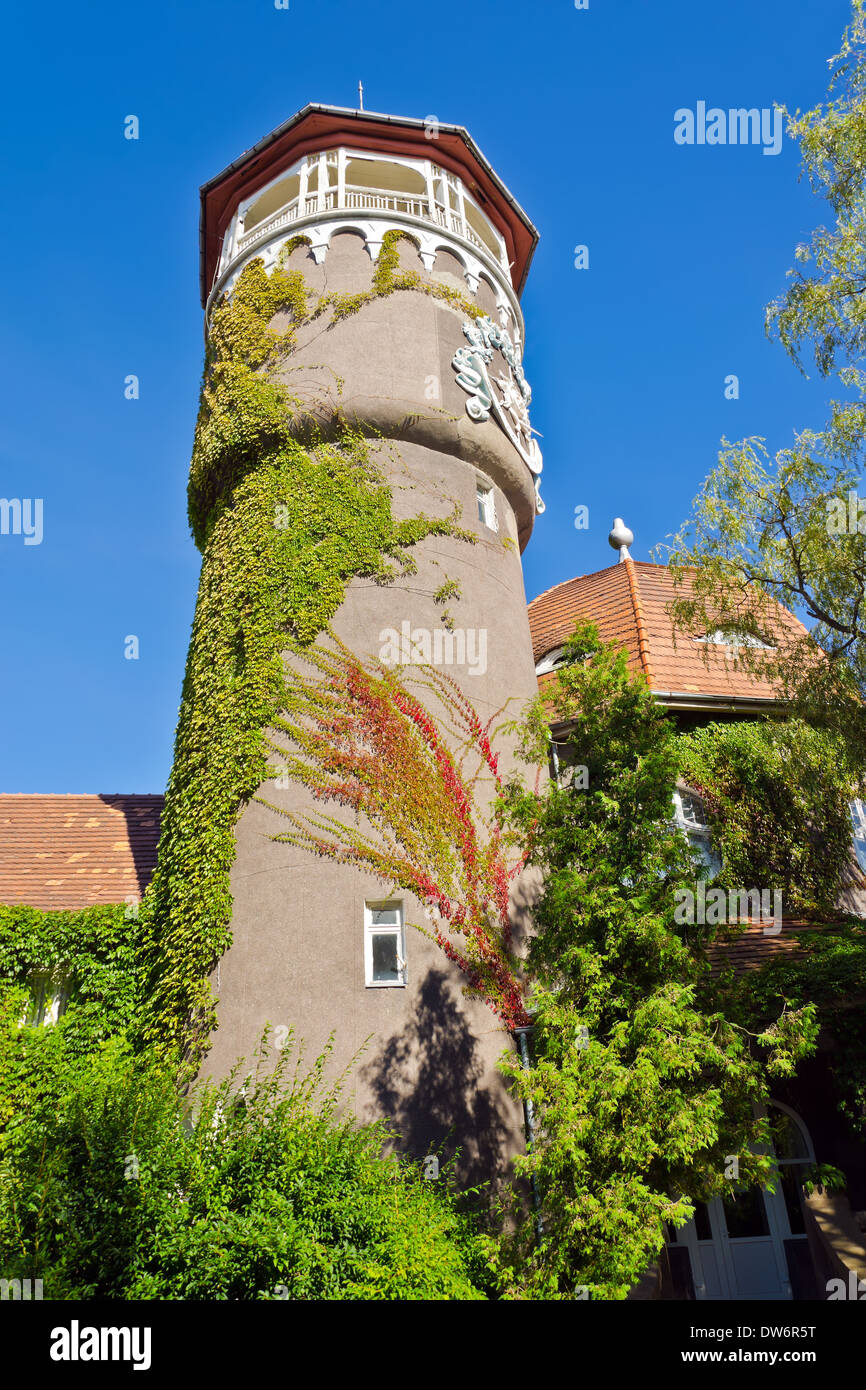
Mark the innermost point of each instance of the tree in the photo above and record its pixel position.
(642, 1090)
(789, 527)
(777, 796)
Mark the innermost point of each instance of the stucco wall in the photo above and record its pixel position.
(297, 960)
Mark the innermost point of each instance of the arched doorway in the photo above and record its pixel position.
(752, 1243)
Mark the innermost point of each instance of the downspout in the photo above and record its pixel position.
(529, 1123)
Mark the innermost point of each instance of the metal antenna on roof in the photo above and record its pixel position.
(360, 96)
(621, 538)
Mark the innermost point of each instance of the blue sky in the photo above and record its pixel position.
(628, 359)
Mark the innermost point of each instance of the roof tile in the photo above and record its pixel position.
(43, 840)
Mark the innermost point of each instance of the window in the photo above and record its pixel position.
(858, 825)
(564, 768)
(49, 995)
(690, 817)
(551, 661)
(729, 637)
(745, 1213)
(384, 945)
(794, 1153)
(486, 506)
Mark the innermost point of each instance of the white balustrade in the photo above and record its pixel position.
(370, 199)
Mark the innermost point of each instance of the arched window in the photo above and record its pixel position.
(690, 816)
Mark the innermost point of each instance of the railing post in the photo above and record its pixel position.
(431, 197)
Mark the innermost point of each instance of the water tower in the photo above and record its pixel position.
(443, 396)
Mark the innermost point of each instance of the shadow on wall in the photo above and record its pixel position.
(428, 1082)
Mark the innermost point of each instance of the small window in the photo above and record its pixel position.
(551, 661)
(486, 506)
(384, 945)
(858, 825)
(730, 637)
(49, 995)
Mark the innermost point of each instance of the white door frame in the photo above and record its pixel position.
(779, 1232)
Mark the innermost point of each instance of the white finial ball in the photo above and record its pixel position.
(620, 535)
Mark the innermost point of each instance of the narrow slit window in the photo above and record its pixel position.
(858, 826)
(384, 945)
(486, 506)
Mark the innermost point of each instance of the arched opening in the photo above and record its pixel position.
(448, 269)
(751, 1243)
(385, 175)
(279, 195)
(487, 299)
(482, 228)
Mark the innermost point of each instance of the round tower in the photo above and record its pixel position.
(431, 374)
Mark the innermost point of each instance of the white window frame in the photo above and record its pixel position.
(857, 809)
(694, 829)
(486, 502)
(372, 929)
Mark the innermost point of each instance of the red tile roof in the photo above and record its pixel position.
(754, 948)
(76, 851)
(628, 602)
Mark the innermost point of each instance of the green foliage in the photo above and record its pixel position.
(120, 1189)
(827, 973)
(283, 528)
(826, 308)
(98, 950)
(823, 1177)
(639, 1090)
(777, 795)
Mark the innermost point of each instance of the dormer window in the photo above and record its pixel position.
(551, 661)
(730, 637)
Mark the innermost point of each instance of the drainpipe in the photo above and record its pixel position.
(529, 1121)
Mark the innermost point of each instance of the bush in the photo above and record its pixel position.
(124, 1189)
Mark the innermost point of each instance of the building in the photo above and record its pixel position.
(760, 1244)
(316, 947)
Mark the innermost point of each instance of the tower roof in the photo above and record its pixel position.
(318, 128)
